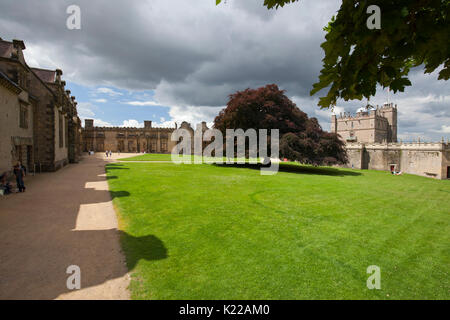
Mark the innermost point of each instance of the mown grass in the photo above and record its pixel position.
(223, 232)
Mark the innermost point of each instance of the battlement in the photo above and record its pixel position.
(89, 125)
(131, 129)
(369, 112)
(369, 124)
(422, 146)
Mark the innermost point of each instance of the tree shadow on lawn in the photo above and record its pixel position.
(119, 194)
(147, 247)
(115, 166)
(296, 168)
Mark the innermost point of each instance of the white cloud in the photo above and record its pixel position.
(108, 91)
(101, 123)
(445, 129)
(97, 122)
(85, 109)
(144, 103)
(100, 100)
(193, 115)
(132, 124)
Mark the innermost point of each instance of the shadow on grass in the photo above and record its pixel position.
(147, 247)
(296, 168)
(115, 166)
(119, 194)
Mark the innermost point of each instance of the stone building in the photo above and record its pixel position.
(119, 139)
(39, 121)
(16, 125)
(371, 143)
(369, 125)
(148, 139)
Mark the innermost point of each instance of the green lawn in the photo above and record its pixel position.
(222, 232)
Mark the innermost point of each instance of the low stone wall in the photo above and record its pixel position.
(425, 159)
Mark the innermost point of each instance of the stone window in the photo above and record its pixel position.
(163, 145)
(23, 116)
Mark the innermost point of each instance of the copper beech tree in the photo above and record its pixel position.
(301, 137)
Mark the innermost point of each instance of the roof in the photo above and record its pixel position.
(8, 83)
(48, 76)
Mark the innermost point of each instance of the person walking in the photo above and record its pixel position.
(19, 172)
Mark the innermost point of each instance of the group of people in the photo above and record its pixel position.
(19, 172)
(108, 153)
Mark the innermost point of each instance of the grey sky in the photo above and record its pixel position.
(194, 54)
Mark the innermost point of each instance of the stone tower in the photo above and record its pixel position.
(389, 111)
(369, 125)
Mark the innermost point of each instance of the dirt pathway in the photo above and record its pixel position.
(65, 218)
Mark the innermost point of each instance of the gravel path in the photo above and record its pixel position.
(64, 218)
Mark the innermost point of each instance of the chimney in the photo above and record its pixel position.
(19, 44)
(88, 124)
(58, 75)
(147, 124)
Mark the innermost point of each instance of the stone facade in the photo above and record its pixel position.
(40, 124)
(371, 143)
(148, 139)
(16, 115)
(368, 126)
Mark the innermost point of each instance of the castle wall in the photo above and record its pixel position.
(424, 159)
(355, 155)
(427, 163)
(446, 164)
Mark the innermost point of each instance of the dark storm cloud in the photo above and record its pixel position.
(194, 54)
(183, 46)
